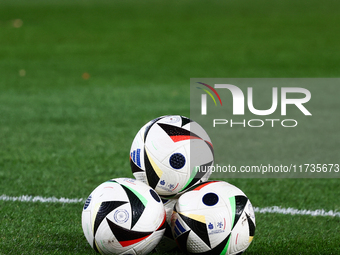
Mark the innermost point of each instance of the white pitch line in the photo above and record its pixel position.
(272, 209)
(293, 211)
(27, 198)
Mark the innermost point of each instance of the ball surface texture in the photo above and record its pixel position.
(213, 217)
(171, 154)
(123, 216)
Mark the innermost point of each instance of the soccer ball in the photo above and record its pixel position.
(171, 154)
(214, 217)
(123, 216)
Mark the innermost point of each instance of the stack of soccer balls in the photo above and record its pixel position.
(171, 203)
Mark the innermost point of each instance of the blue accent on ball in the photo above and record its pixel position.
(177, 233)
(179, 229)
(133, 156)
(87, 202)
(177, 160)
(138, 158)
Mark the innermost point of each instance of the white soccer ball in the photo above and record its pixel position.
(123, 216)
(214, 217)
(171, 154)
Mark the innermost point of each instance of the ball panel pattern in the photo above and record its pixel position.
(229, 220)
(196, 176)
(125, 236)
(123, 216)
(151, 175)
(149, 125)
(134, 167)
(251, 226)
(104, 209)
(137, 205)
(198, 227)
(162, 154)
(240, 203)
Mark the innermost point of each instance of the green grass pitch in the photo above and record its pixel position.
(79, 78)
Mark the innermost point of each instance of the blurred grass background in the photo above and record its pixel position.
(79, 78)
